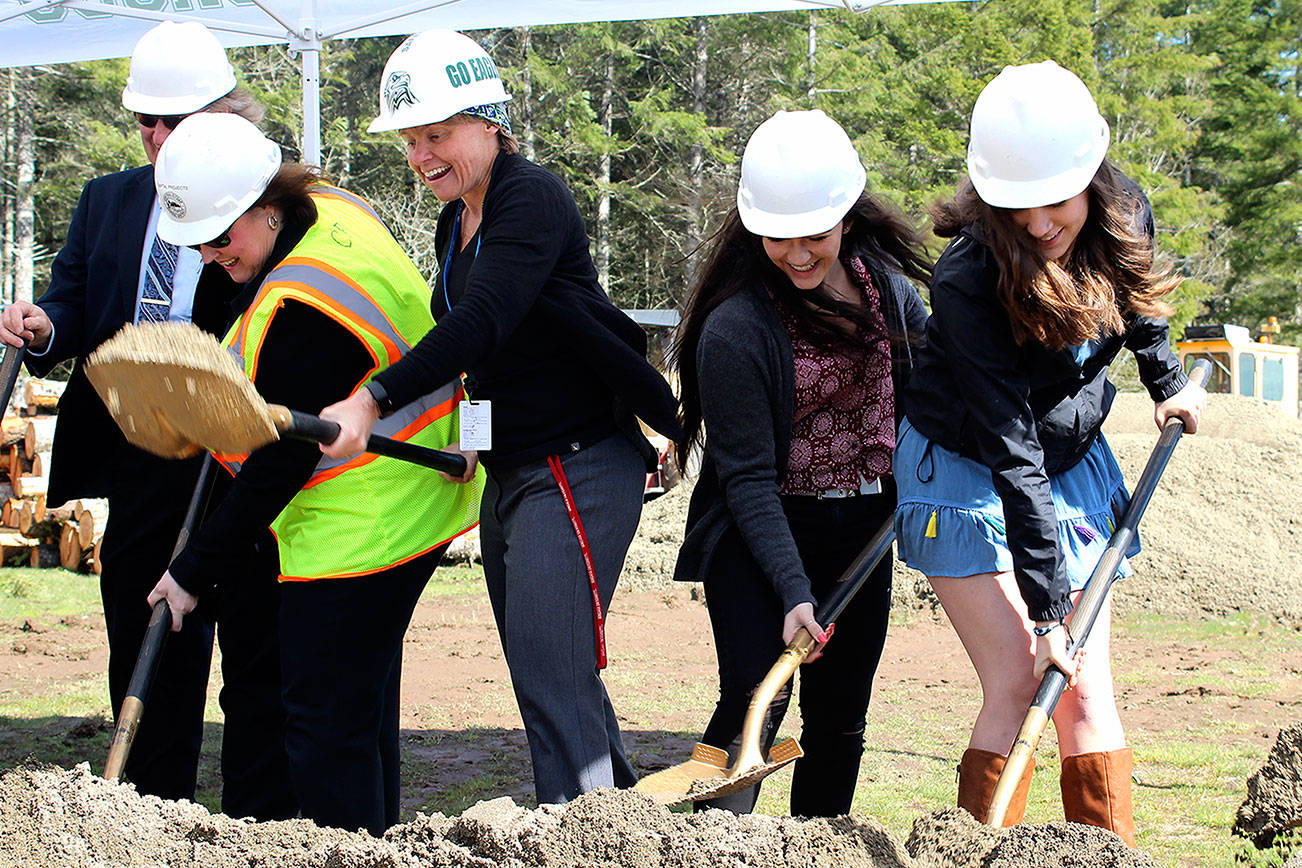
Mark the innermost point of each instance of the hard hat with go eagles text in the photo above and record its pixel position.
(431, 77)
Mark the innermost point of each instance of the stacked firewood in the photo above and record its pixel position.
(31, 532)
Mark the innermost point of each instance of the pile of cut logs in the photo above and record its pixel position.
(31, 532)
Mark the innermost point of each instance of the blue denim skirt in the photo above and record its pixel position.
(953, 524)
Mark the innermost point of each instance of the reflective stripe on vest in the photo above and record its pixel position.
(367, 513)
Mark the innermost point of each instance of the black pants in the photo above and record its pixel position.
(746, 617)
(138, 543)
(341, 664)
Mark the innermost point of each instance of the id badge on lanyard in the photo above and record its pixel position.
(476, 425)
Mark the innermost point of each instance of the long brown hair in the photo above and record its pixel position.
(736, 262)
(1108, 274)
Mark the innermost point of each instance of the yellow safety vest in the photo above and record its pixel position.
(368, 513)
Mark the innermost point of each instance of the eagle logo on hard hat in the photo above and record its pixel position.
(397, 91)
(174, 204)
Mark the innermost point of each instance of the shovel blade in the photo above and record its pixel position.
(670, 786)
(784, 753)
(706, 775)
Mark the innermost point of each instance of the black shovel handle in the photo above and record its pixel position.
(13, 360)
(856, 574)
(1087, 610)
(305, 426)
(151, 647)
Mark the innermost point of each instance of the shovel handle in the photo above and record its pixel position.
(13, 360)
(305, 426)
(151, 648)
(1086, 611)
(749, 753)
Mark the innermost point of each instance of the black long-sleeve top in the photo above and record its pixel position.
(1024, 411)
(525, 317)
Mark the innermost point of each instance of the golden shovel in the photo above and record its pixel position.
(707, 775)
(174, 391)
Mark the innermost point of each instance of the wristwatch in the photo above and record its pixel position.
(1047, 628)
(381, 396)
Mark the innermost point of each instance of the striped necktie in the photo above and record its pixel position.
(156, 300)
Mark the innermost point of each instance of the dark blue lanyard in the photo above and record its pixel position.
(452, 248)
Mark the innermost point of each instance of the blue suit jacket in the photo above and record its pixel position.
(92, 294)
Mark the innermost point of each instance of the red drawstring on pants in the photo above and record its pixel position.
(598, 617)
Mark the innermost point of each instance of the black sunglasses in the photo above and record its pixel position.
(219, 242)
(169, 121)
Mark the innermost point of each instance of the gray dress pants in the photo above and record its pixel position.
(542, 602)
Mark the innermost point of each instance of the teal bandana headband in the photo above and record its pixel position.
(493, 112)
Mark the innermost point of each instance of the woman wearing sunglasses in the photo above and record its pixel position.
(329, 299)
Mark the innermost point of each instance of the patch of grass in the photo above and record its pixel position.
(47, 595)
(455, 580)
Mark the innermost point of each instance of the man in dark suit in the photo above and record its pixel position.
(114, 270)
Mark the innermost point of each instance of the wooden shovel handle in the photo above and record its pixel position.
(305, 426)
(151, 648)
(1086, 611)
(749, 752)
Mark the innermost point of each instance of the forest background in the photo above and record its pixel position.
(645, 121)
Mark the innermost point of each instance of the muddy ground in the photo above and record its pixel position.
(1223, 535)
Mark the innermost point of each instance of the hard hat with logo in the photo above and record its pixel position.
(1037, 137)
(800, 174)
(209, 171)
(432, 76)
(177, 68)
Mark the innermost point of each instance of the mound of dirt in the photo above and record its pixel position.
(1222, 534)
(52, 817)
(651, 555)
(1274, 802)
(952, 839)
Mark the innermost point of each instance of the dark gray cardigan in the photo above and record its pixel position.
(747, 386)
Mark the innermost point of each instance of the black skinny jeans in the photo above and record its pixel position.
(746, 617)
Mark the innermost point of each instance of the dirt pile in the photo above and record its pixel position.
(952, 839)
(52, 817)
(1222, 534)
(651, 555)
(1273, 808)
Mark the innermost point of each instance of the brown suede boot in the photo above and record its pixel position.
(1096, 790)
(978, 772)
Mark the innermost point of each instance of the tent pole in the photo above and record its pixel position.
(309, 44)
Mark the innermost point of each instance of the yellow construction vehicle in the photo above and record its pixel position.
(1242, 366)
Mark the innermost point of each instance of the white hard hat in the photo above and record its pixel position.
(1037, 137)
(209, 171)
(177, 68)
(432, 76)
(800, 174)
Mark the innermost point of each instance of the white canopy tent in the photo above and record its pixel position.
(60, 31)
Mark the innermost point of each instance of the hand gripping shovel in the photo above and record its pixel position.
(151, 648)
(707, 775)
(173, 390)
(1087, 609)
